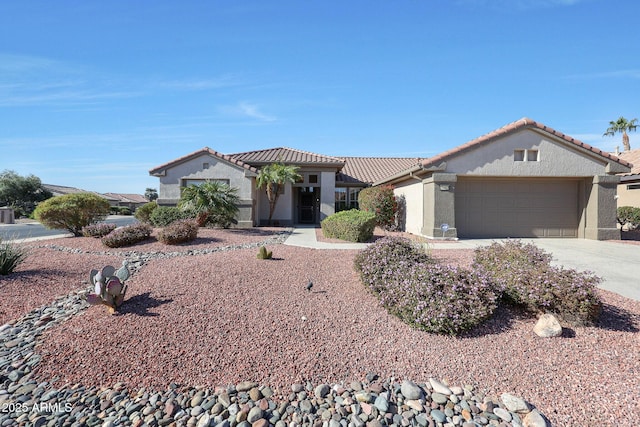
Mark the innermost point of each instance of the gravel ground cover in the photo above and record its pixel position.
(226, 317)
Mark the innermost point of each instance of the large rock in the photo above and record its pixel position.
(547, 326)
(534, 419)
(514, 403)
(410, 390)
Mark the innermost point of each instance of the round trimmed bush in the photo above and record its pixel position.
(180, 231)
(165, 215)
(143, 213)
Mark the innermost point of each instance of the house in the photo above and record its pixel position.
(328, 184)
(522, 180)
(127, 200)
(629, 187)
(132, 201)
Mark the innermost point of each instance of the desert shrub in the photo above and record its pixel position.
(180, 231)
(165, 215)
(11, 256)
(423, 293)
(98, 230)
(125, 210)
(382, 202)
(127, 235)
(352, 225)
(143, 213)
(72, 211)
(529, 280)
(263, 253)
(629, 215)
(114, 210)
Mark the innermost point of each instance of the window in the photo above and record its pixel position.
(313, 179)
(205, 165)
(525, 156)
(341, 199)
(353, 198)
(633, 187)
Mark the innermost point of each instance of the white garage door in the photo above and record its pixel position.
(487, 208)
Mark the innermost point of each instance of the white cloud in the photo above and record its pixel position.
(245, 109)
(201, 84)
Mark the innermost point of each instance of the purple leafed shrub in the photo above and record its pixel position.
(128, 235)
(98, 230)
(529, 280)
(427, 295)
(180, 231)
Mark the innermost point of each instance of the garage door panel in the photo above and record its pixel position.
(516, 208)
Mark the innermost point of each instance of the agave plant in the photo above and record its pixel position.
(109, 286)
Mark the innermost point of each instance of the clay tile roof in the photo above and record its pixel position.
(633, 157)
(128, 198)
(206, 150)
(286, 155)
(514, 127)
(372, 169)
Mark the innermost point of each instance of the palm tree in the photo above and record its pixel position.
(273, 177)
(622, 126)
(212, 201)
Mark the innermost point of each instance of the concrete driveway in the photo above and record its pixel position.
(618, 264)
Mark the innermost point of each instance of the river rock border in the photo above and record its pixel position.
(371, 402)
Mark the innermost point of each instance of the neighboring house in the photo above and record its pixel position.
(629, 187)
(131, 201)
(522, 180)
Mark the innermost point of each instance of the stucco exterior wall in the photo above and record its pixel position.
(554, 158)
(628, 197)
(327, 194)
(412, 190)
(171, 183)
(193, 169)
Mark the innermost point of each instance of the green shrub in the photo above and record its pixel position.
(165, 215)
(629, 215)
(98, 230)
(72, 211)
(127, 235)
(180, 231)
(263, 253)
(11, 256)
(423, 293)
(382, 202)
(352, 225)
(125, 210)
(529, 280)
(114, 210)
(143, 213)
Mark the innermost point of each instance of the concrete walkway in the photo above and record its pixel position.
(618, 264)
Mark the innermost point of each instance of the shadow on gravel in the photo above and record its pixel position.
(141, 304)
(614, 318)
(502, 321)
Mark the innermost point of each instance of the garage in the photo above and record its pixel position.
(516, 207)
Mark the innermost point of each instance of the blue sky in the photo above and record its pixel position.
(93, 94)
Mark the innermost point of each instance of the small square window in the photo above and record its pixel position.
(205, 166)
(532, 155)
(313, 179)
(518, 155)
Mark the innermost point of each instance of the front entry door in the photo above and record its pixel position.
(307, 205)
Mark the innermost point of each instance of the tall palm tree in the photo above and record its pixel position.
(622, 125)
(273, 177)
(211, 200)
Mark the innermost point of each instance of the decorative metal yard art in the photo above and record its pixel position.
(444, 228)
(109, 286)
